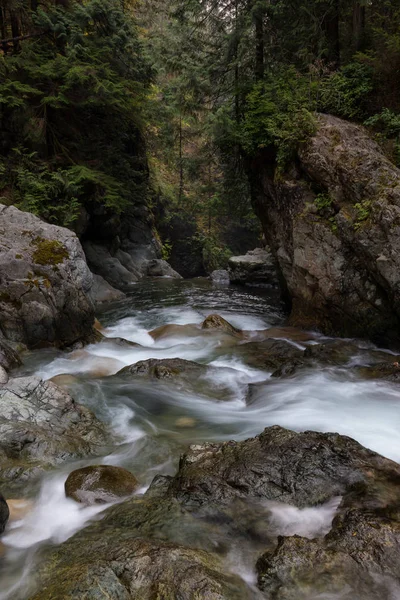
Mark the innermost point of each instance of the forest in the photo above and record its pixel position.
(105, 101)
(199, 299)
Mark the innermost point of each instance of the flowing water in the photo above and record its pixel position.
(154, 424)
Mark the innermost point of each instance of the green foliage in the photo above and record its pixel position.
(363, 212)
(278, 115)
(346, 92)
(323, 201)
(215, 256)
(388, 124)
(73, 101)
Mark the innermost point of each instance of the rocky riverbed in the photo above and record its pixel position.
(200, 449)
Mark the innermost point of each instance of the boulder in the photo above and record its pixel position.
(181, 375)
(44, 282)
(254, 268)
(100, 484)
(357, 559)
(271, 354)
(304, 469)
(102, 292)
(124, 567)
(41, 426)
(109, 267)
(160, 268)
(219, 323)
(332, 222)
(4, 513)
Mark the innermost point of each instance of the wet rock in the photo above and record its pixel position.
(160, 268)
(100, 484)
(270, 354)
(256, 267)
(218, 322)
(126, 569)
(284, 333)
(4, 513)
(102, 292)
(220, 277)
(304, 469)
(19, 509)
(335, 352)
(41, 426)
(390, 371)
(357, 560)
(3, 376)
(332, 221)
(9, 358)
(181, 375)
(174, 330)
(110, 268)
(45, 282)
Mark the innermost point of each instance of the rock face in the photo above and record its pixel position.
(100, 484)
(41, 426)
(255, 267)
(333, 226)
(44, 281)
(4, 513)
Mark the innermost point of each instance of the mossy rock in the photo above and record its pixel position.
(48, 252)
(100, 484)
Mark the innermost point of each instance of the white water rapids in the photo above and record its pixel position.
(152, 427)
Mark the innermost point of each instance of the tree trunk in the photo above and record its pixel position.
(259, 26)
(181, 178)
(358, 25)
(15, 30)
(331, 26)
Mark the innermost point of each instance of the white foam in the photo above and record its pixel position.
(309, 522)
(54, 517)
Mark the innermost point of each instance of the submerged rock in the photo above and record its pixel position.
(4, 513)
(270, 354)
(100, 484)
(41, 426)
(181, 375)
(256, 267)
(45, 282)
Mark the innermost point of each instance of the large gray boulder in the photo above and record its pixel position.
(44, 282)
(332, 222)
(41, 426)
(254, 268)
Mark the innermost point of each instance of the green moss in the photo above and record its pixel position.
(48, 252)
(363, 213)
(323, 201)
(19, 256)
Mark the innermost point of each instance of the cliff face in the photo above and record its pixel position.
(333, 223)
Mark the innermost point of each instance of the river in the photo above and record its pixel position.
(153, 425)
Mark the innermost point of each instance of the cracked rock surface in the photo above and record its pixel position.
(41, 426)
